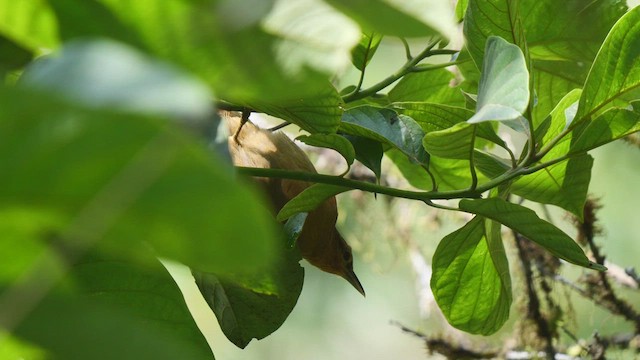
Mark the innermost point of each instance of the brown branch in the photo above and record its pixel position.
(598, 284)
(533, 302)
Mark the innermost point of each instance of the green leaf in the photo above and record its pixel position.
(400, 18)
(564, 184)
(503, 94)
(527, 223)
(368, 152)
(319, 113)
(433, 86)
(577, 37)
(309, 199)
(362, 54)
(117, 196)
(486, 18)
(552, 80)
(331, 141)
(455, 142)
(111, 309)
(611, 125)
(562, 51)
(29, 24)
(616, 69)
(558, 120)
(470, 280)
(436, 117)
(387, 127)
(14, 348)
(253, 305)
(101, 333)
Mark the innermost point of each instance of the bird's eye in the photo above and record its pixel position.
(347, 257)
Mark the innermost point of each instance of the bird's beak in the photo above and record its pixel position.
(351, 277)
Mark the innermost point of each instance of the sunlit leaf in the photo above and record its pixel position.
(29, 24)
(616, 69)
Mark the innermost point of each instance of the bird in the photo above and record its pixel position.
(319, 242)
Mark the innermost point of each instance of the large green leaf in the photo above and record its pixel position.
(564, 184)
(485, 18)
(577, 36)
(29, 24)
(104, 308)
(503, 93)
(432, 86)
(253, 305)
(527, 223)
(401, 18)
(563, 50)
(616, 69)
(470, 280)
(116, 180)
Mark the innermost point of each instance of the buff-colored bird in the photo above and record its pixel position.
(320, 243)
